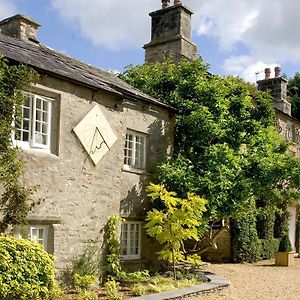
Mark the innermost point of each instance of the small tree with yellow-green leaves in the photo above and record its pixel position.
(177, 222)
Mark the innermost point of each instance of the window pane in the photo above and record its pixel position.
(45, 128)
(45, 116)
(38, 115)
(45, 105)
(124, 239)
(25, 125)
(38, 126)
(25, 136)
(26, 112)
(38, 103)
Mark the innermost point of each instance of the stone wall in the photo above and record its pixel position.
(224, 251)
(79, 197)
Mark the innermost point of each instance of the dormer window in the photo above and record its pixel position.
(34, 128)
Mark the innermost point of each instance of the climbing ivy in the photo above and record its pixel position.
(15, 199)
(112, 269)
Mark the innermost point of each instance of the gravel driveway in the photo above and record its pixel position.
(262, 280)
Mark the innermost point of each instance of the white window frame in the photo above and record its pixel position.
(131, 162)
(44, 240)
(128, 245)
(32, 142)
(30, 229)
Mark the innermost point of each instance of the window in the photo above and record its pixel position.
(135, 150)
(35, 233)
(131, 240)
(33, 129)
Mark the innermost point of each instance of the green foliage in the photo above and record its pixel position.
(160, 283)
(285, 244)
(294, 95)
(112, 269)
(26, 270)
(226, 145)
(269, 247)
(85, 265)
(177, 222)
(137, 276)
(247, 245)
(88, 262)
(112, 290)
(83, 283)
(86, 295)
(15, 200)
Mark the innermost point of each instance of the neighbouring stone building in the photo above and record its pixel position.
(90, 144)
(289, 128)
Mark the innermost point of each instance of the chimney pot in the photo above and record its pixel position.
(277, 71)
(165, 3)
(267, 73)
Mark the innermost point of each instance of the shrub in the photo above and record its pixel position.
(112, 292)
(269, 247)
(247, 246)
(285, 244)
(137, 276)
(83, 283)
(86, 295)
(88, 262)
(26, 270)
(85, 264)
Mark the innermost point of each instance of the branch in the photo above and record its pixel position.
(212, 241)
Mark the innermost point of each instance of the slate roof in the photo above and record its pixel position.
(49, 61)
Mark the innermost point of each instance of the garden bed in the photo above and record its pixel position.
(140, 283)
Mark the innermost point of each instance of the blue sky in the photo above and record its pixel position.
(235, 37)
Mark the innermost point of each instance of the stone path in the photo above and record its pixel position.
(262, 280)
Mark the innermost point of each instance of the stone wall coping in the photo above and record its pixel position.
(216, 282)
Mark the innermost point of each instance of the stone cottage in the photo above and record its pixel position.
(90, 144)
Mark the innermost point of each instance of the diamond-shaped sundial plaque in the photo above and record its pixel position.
(95, 134)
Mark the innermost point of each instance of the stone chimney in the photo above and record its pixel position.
(277, 87)
(170, 34)
(20, 27)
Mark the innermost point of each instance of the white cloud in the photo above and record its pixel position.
(7, 9)
(246, 67)
(269, 30)
(112, 23)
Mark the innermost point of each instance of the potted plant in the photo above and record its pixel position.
(285, 255)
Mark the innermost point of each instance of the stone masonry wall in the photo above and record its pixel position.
(78, 196)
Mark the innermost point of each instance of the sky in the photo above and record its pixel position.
(239, 38)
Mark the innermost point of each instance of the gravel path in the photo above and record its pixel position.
(262, 280)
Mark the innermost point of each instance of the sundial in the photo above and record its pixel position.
(95, 134)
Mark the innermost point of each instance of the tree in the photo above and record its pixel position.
(176, 223)
(226, 147)
(294, 95)
(14, 201)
